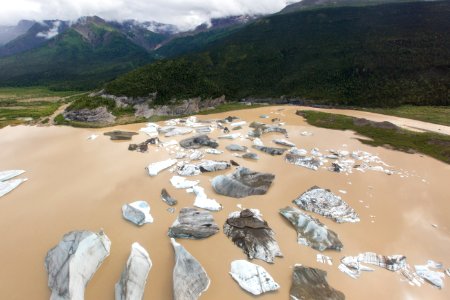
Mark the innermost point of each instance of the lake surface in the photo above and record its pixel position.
(76, 184)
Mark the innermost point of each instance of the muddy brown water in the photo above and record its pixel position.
(79, 184)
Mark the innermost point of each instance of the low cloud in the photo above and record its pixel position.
(183, 13)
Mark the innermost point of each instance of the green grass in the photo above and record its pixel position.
(29, 105)
(23, 93)
(432, 144)
(432, 114)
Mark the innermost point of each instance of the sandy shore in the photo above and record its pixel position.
(79, 184)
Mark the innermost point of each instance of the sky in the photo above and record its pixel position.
(184, 13)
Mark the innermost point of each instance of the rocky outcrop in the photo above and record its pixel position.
(154, 168)
(252, 234)
(311, 232)
(96, 115)
(193, 224)
(137, 212)
(327, 204)
(72, 263)
(189, 278)
(252, 278)
(311, 284)
(198, 141)
(119, 135)
(131, 285)
(382, 125)
(167, 198)
(242, 183)
(270, 150)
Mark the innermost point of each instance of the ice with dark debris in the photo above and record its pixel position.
(283, 142)
(170, 131)
(236, 147)
(354, 265)
(258, 142)
(193, 223)
(250, 155)
(430, 274)
(327, 204)
(323, 259)
(270, 150)
(309, 162)
(213, 151)
(73, 262)
(242, 182)
(189, 277)
(252, 234)
(133, 279)
(310, 231)
(311, 284)
(167, 198)
(137, 212)
(238, 124)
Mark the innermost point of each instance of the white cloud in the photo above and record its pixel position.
(184, 13)
(51, 32)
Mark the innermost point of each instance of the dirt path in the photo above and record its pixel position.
(409, 124)
(57, 112)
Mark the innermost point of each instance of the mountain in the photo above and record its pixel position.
(81, 55)
(68, 54)
(315, 4)
(9, 33)
(37, 35)
(376, 55)
(202, 35)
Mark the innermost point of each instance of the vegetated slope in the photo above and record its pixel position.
(203, 35)
(315, 4)
(80, 58)
(381, 55)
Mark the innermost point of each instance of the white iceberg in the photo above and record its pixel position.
(202, 200)
(154, 168)
(252, 278)
(182, 183)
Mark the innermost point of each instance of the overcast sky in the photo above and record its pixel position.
(184, 13)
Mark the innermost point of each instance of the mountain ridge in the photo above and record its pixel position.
(387, 54)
